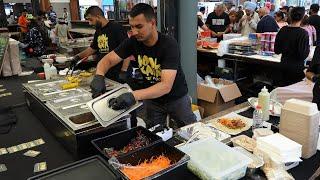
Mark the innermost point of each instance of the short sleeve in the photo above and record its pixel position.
(125, 49)
(94, 44)
(170, 58)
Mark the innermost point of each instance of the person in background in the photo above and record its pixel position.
(107, 37)
(164, 89)
(229, 7)
(314, 20)
(218, 21)
(313, 74)
(293, 43)
(267, 22)
(272, 10)
(34, 44)
(280, 18)
(62, 31)
(23, 22)
(52, 16)
(66, 15)
(310, 29)
(240, 11)
(11, 19)
(201, 13)
(285, 10)
(248, 23)
(234, 22)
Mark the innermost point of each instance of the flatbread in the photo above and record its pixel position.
(214, 123)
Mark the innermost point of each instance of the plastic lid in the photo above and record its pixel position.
(264, 89)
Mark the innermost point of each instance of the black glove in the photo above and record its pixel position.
(123, 76)
(74, 61)
(123, 101)
(98, 86)
(316, 78)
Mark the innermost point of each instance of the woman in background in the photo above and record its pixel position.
(280, 18)
(293, 43)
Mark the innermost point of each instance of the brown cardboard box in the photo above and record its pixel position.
(214, 100)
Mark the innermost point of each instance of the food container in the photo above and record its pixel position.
(121, 139)
(256, 162)
(90, 168)
(244, 141)
(211, 159)
(261, 132)
(178, 158)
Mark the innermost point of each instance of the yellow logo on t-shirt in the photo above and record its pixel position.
(103, 43)
(150, 68)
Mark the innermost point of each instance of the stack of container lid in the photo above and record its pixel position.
(280, 148)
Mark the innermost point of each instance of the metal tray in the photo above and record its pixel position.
(70, 100)
(73, 109)
(90, 168)
(105, 115)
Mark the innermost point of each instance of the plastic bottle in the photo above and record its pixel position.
(264, 102)
(46, 68)
(53, 72)
(257, 118)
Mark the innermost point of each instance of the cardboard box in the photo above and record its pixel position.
(214, 100)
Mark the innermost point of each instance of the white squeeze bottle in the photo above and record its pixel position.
(46, 68)
(264, 101)
(53, 72)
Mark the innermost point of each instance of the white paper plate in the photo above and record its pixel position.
(275, 107)
(214, 123)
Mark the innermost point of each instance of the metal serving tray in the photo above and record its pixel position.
(100, 106)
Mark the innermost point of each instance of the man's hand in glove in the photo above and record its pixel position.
(123, 76)
(123, 101)
(98, 86)
(74, 61)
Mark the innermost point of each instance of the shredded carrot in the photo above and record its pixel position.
(147, 168)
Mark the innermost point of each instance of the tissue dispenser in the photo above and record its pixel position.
(299, 121)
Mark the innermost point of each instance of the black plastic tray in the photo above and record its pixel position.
(176, 156)
(94, 167)
(121, 139)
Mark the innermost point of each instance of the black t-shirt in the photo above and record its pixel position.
(293, 44)
(151, 60)
(107, 39)
(218, 23)
(314, 20)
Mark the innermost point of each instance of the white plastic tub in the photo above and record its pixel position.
(211, 159)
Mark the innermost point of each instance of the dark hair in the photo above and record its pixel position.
(280, 14)
(297, 13)
(24, 10)
(314, 8)
(144, 9)
(94, 11)
(33, 23)
(202, 9)
(305, 20)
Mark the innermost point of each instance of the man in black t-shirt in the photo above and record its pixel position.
(107, 37)
(164, 90)
(314, 20)
(218, 21)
